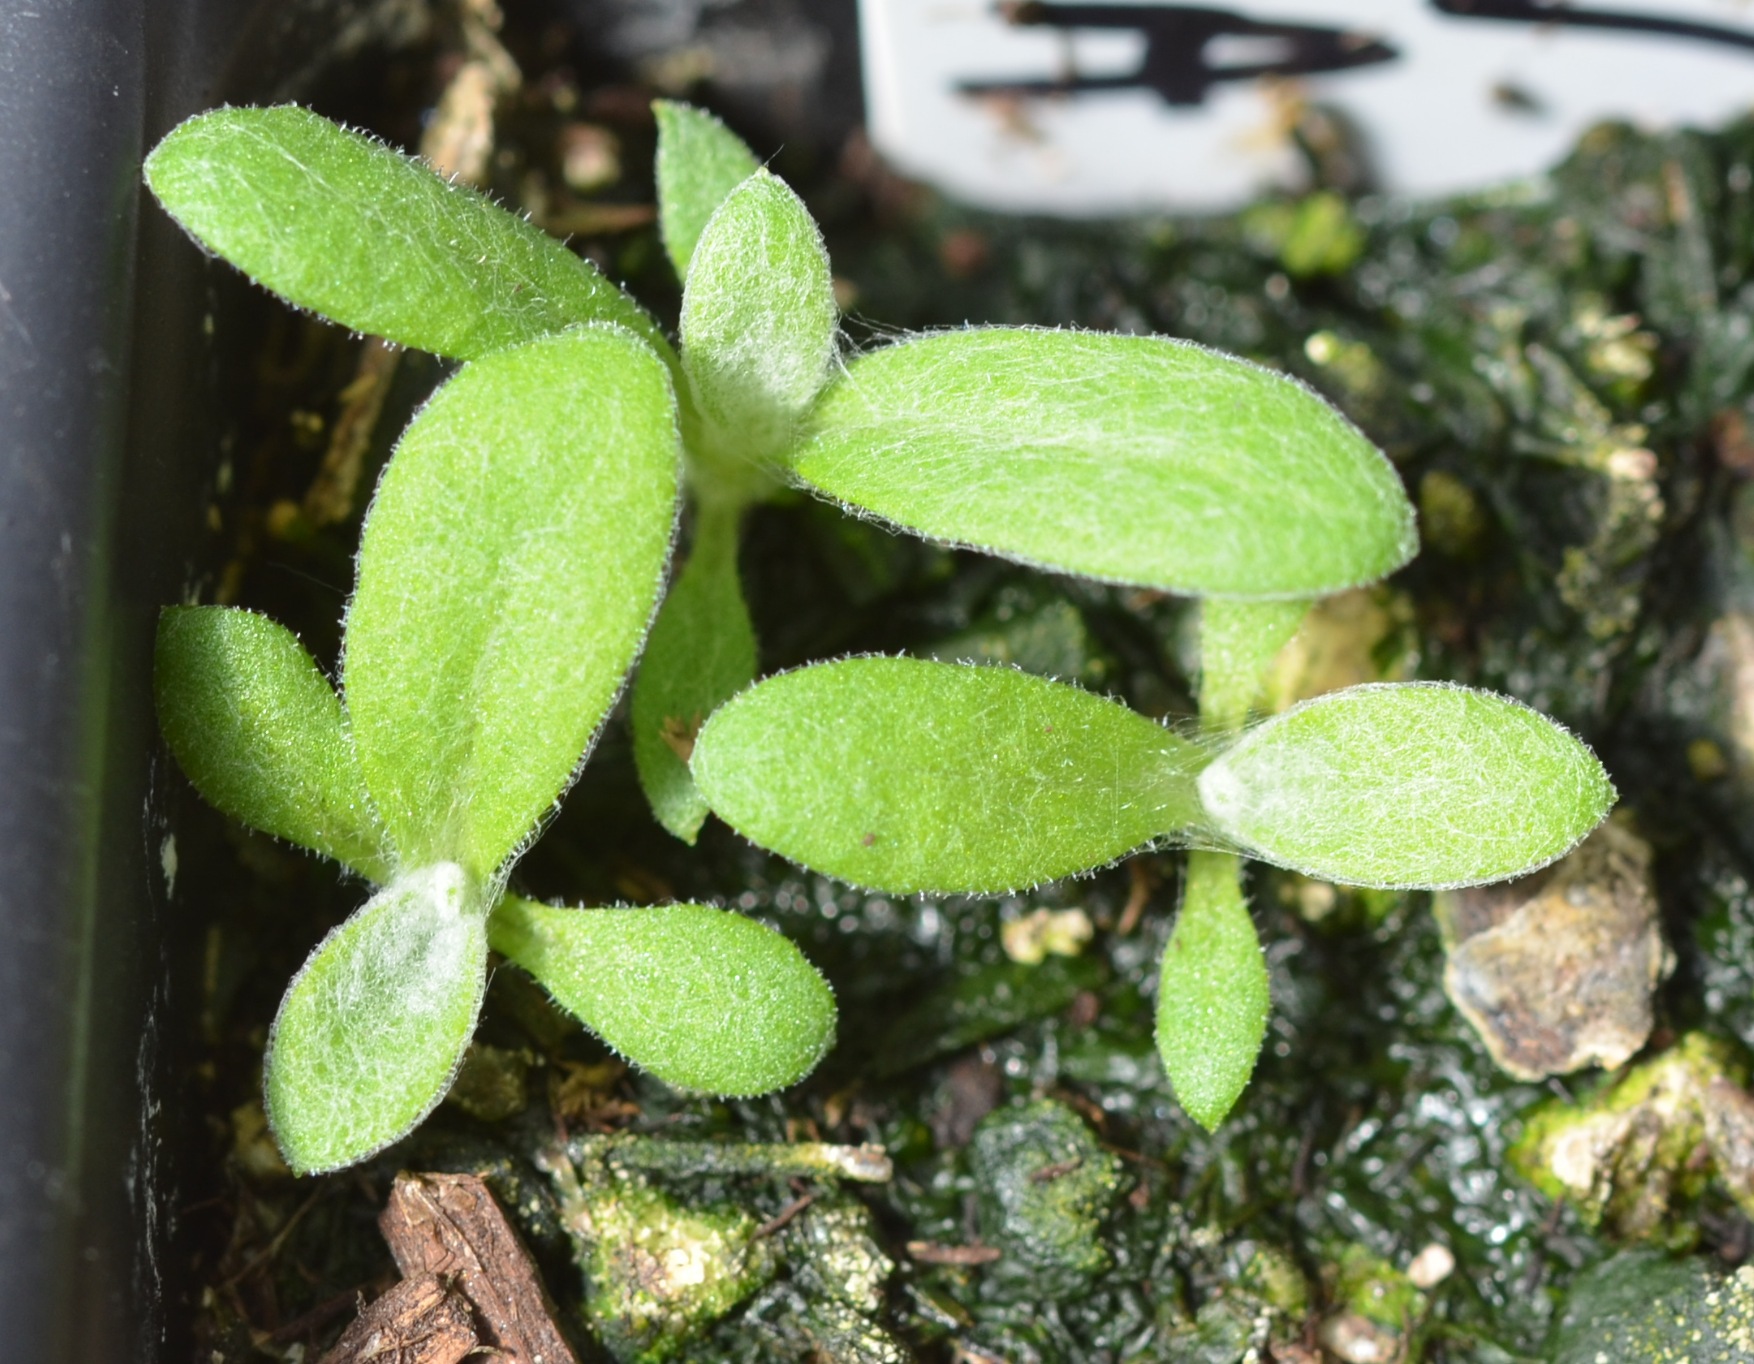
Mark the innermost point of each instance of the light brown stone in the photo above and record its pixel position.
(1556, 971)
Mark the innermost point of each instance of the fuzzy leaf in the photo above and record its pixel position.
(1212, 999)
(1408, 785)
(906, 775)
(367, 237)
(507, 573)
(374, 1025)
(258, 730)
(758, 318)
(700, 654)
(700, 161)
(702, 998)
(1131, 458)
(1238, 643)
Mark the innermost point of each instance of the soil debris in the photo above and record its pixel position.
(1556, 971)
(973, 1088)
(867, 1164)
(1346, 640)
(449, 1225)
(491, 1082)
(1729, 1134)
(1033, 937)
(832, 1304)
(931, 1253)
(658, 1272)
(419, 1321)
(1044, 1185)
(1431, 1266)
(1377, 1307)
(1634, 1156)
(1643, 1308)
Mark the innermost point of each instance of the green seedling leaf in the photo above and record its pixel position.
(1408, 785)
(906, 775)
(367, 237)
(702, 998)
(1212, 999)
(507, 573)
(1238, 642)
(758, 318)
(373, 1027)
(700, 161)
(1131, 458)
(258, 729)
(700, 654)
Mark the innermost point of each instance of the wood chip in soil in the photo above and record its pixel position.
(931, 1253)
(419, 1321)
(450, 1225)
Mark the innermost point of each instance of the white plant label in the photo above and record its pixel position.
(1098, 108)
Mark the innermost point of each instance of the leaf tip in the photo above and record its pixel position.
(1210, 1115)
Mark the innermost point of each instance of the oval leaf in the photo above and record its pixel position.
(1212, 998)
(258, 729)
(906, 775)
(372, 239)
(703, 998)
(1131, 458)
(373, 1027)
(700, 161)
(1408, 785)
(507, 572)
(700, 654)
(758, 318)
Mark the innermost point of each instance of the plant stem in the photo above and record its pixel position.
(700, 653)
(1238, 642)
(718, 469)
(718, 525)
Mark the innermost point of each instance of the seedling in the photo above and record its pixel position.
(509, 567)
(1148, 461)
(514, 555)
